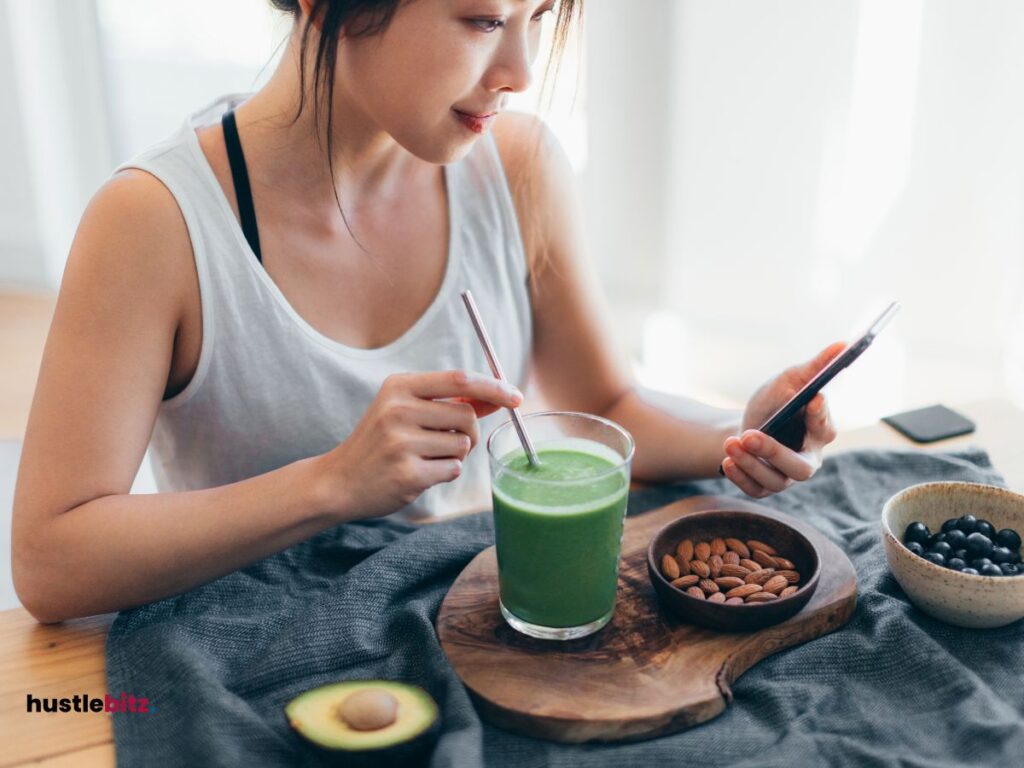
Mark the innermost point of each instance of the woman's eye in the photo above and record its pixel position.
(487, 25)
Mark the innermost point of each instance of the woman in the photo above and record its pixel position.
(269, 300)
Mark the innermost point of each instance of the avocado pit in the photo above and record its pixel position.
(369, 709)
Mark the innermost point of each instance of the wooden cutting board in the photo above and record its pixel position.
(643, 675)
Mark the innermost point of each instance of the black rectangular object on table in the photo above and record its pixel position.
(928, 425)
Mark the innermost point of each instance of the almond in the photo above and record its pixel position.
(792, 577)
(754, 544)
(744, 591)
(718, 547)
(716, 597)
(737, 546)
(728, 569)
(701, 569)
(686, 581)
(775, 584)
(728, 582)
(715, 563)
(766, 560)
(695, 592)
(702, 551)
(669, 567)
(731, 558)
(685, 550)
(759, 577)
(783, 564)
(750, 565)
(684, 566)
(788, 591)
(708, 586)
(761, 597)
(733, 600)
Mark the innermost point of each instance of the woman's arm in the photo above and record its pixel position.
(576, 360)
(577, 363)
(82, 544)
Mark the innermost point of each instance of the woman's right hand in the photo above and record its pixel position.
(415, 434)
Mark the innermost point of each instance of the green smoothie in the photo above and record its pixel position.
(558, 530)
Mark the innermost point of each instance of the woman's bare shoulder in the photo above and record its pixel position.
(528, 147)
(540, 178)
(133, 225)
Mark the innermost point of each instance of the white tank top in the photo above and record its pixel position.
(270, 389)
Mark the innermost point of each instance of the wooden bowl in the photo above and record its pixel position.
(705, 526)
(957, 598)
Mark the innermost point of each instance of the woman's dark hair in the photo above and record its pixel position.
(364, 18)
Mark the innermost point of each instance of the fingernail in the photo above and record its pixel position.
(514, 393)
(732, 449)
(752, 442)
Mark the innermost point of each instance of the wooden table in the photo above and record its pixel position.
(62, 660)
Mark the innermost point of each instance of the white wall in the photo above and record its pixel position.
(55, 135)
(20, 257)
(828, 156)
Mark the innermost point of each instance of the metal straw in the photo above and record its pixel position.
(492, 360)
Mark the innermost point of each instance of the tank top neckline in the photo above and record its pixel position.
(391, 348)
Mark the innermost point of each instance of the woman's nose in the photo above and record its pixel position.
(511, 68)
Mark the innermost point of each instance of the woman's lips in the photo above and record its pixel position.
(475, 123)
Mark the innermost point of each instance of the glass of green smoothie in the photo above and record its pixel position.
(558, 526)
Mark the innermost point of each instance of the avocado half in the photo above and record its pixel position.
(387, 722)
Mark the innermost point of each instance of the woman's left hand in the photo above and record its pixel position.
(760, 465)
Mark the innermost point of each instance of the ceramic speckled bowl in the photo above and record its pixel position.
(957, 598)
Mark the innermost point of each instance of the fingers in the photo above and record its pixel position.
(468, 384)
(434, 471)
(745, 482)
(807, 371)
(435, 444)
(762, 473)
(438, 414)
(820, 429)
(479, 407)
(785, 461)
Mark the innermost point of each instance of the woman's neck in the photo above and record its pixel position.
(368, 163)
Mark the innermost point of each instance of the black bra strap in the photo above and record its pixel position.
(240, 177)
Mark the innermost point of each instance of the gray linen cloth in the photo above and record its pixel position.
(891, 688)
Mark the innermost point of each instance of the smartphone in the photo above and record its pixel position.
(787, 424)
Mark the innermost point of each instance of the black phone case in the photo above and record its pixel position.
(928, 425)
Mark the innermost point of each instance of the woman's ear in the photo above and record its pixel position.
(307, 7)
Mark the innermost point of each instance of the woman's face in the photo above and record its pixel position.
(437, 62)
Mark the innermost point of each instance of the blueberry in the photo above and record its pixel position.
(1008, 538)
(1009, 569)
(935, 557)
(956, 564)
(969, 570)
(917, 532)
(956, 539)
(916, 548)
(980, 563)
(1001, 555)
(949, 525)
(985, 528)
(991, 570)
(979, 545)
(961, 553)
(967, 523)
(943, 548)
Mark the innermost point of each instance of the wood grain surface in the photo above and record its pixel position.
(646, 673)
